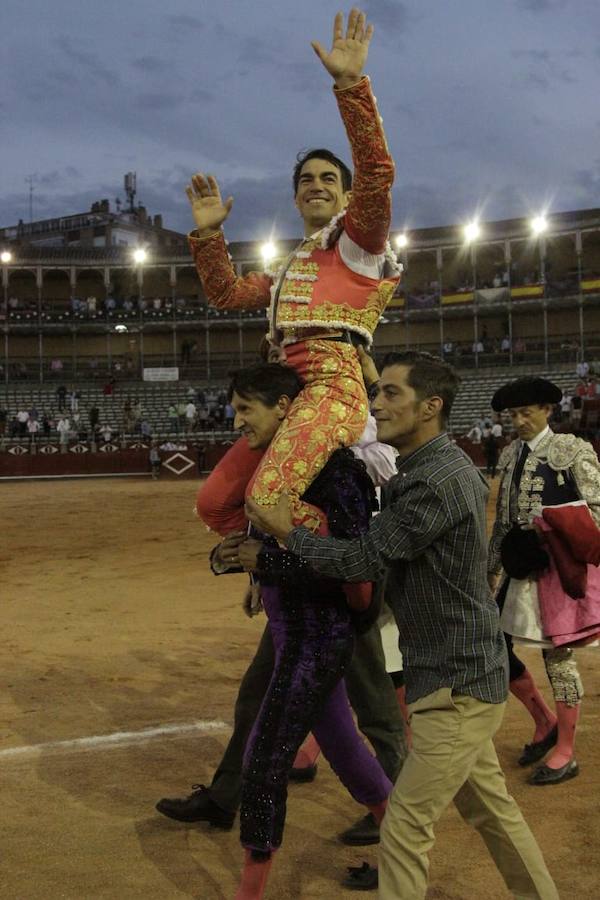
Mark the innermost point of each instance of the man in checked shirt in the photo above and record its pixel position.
(432, 540)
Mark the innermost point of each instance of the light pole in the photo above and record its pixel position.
(471, 232)
(6, 259)
(140, 256)
(539, 226)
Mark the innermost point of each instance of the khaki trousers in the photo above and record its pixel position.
(453, 758)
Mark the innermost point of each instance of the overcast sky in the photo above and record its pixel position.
(490, 106)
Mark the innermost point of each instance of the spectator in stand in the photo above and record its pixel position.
(56, 365)
(218, 415)
(109, 388)
(566, 405)
(91, 306)
(157, 304)
(94, 417)
(46, 424)
(77, 426)
(61, 393)
(576, 408)
(474, 435)
(203, 417)
(448, 348)
(491, 450)
(505, 344)
(485, 422)
(127, 412)
(181, 410)
(145, 429)
(187, 348)
(74, 398)
(106, 432)
(497, 429)
(63, 427)
(110, 304)
(191, 414)
(154, 457)
(137, 410)
(13, 303)
(592, 388)
(520, 346)
(582, 368)
(22, 419)
(33, 428)
(173, 418)
(478, 347)
(229, 416)
(128, 305)
(142, 304)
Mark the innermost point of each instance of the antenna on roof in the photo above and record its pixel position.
(130, 183)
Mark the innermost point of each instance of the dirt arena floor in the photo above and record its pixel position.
(120, 659)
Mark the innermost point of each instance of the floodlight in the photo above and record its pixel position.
(139, 255)
(401, 240)
(472, 231)
(6, 256)
(120, 328)
(268, 251)
(539, 224)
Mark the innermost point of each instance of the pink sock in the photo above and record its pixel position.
(308, 753)
(567, 726)
(526, 690)
(377, 810)
(254, 877)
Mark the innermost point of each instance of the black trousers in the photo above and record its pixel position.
(371, 694)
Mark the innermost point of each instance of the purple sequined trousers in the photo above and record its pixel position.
(313, 645)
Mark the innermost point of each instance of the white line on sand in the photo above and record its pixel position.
(118, 739)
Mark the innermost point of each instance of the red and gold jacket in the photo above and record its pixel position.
(343, 276)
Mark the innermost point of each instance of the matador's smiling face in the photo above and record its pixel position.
(320, 194)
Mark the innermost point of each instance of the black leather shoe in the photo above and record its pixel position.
(544, 775)
(362, 833)
(198, 807)
(361, 878)
(303, 774)
(537, 750)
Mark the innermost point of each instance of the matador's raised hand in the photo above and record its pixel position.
(346, 59)
(208, 209)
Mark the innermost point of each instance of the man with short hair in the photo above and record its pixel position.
(432, 541)
(540, 469)
(312, 629)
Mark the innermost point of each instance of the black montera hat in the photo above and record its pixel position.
(525, 392)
